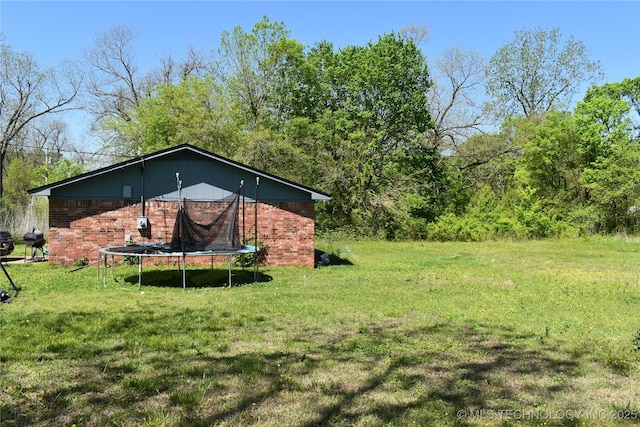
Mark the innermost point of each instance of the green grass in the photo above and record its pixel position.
(534, 333)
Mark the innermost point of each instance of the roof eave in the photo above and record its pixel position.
(46, 189)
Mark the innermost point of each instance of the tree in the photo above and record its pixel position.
(538, 72)
(274, 152)
(193, 111)
(313, 84)
(28, 93)
(117, 86)
(630, 90)
(253, 66)
(605, 117)
(370, 105)
(115, 82)
(172, 71)
(487, 160)
(613, 184)
(550, 161)
(41, 145)
(48, 139)
(20, 174)
(453, 98)
(414, 32)
(56, 171)
(607, 125)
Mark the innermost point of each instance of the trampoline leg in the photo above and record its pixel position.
(104, 272)
(184, 272)
(229, 270)
(139, 272)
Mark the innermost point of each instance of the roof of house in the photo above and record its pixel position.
(46, 190)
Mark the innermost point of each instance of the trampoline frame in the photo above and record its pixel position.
(144, 251)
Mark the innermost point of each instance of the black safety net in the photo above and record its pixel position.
(221, 234)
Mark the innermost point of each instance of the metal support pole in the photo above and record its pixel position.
(184, 271)
(255, 232)
(104, 272)
(244, 238)
(8, 277)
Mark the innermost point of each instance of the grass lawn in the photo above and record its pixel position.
(422, 333)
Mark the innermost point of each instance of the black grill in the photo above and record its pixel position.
(6, 243)
(34, 239)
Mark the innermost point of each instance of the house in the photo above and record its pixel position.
(137, 200)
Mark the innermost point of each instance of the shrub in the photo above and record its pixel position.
(82, 262)
(518, 215)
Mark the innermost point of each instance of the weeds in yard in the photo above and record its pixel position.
(635, 341)
(81, 262)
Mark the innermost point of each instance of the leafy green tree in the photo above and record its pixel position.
(274, 152)
(538, 72)
(371, 107)
(532, 169)
(63, 168)
(613, 184)
(630, 90)
(254, 68)
(26, 171)
(487, 160)
(193, 111)
(517, 214)
(605, 118)
(315, 85)
(301, 163)
(20, 175)
(549, 160)
(606, 123)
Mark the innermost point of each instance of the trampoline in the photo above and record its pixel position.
(219, 237)
(153, 250)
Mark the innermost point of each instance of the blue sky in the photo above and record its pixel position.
(57, 30)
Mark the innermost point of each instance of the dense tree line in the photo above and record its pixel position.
(458, 148)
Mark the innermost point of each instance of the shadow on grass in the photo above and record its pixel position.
(483, 377)
(198, 278)
(378, 374)
(10, 259)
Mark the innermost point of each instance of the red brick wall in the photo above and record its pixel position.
(78, 228)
